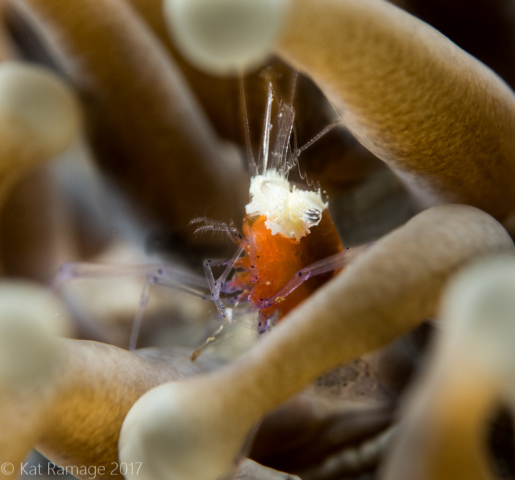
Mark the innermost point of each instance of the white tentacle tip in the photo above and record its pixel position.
(162, 434)
(225, 36)
(479, 312)
(38, 107)
(31, 318)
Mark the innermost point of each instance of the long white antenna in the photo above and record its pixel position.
(267, 127)
(293, 87)
(317, 137)
(250, 157)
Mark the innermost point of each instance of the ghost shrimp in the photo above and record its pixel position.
(288, 247)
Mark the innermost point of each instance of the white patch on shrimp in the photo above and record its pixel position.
(290, 212)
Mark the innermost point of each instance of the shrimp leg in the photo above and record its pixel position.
(143, 302)
(329, 264)
(216, 285)
(210, 339)
(165, 275)
(155, 280)
(227, 320)
(179, 276)
(160, 274)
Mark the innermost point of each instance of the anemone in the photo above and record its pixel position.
(143, 91)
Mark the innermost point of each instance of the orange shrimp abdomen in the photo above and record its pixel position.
(273, 260)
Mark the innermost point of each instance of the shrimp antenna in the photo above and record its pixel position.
(207, 342)
(265, 138)
(318, 136)
(293, 87)
(250, 156)
(285, 118)
(293, 160)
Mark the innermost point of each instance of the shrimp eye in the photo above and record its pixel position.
(312, 216)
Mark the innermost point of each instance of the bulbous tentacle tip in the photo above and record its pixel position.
(225, 37)
(172, 434)
(39, 111)
(479, 306)
(470, 369)
(31, 319)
